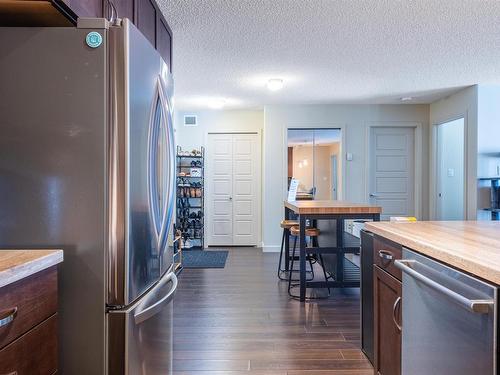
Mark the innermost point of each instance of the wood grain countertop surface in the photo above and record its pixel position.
(18, 264)
(331, 207)
(471, 246)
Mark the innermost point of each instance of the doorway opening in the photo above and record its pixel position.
(450, 170)
(314, 160)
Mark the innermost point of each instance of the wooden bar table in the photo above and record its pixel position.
(328, 210)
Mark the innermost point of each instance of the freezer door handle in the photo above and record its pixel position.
(170, 163)
(476, 306)
(156, 307)
(160, 168)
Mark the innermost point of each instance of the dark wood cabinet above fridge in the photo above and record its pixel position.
(145, 14)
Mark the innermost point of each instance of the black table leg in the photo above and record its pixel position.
(302, 257)
(287, 242)
(340, 250)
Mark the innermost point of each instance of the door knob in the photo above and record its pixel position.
(372, 195)
(230, 198)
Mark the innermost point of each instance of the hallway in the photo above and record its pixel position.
(240, 320)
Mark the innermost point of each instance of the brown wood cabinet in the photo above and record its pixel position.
(145, 14)
(86, 8)
(387, 322)
(28, 336)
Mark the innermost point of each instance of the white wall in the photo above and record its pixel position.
(189, 137)
(354, 121)
(461, 104)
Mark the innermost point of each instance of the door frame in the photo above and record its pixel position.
(417, 157)
(311, 126)
(259, 182)
(434, 171)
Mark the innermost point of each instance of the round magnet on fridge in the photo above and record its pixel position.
(93, 39)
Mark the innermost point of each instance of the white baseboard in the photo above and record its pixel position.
(271, 249)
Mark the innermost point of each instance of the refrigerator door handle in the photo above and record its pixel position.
(160, 170)
(156, 307)
(167, 123)
(154, 119)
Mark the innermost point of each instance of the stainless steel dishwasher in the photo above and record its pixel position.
(449, 320)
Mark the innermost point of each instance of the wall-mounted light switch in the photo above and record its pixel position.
(348, 156)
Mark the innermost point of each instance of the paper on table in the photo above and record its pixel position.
(292, 192)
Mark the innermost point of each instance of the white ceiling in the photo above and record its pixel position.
(327, 51)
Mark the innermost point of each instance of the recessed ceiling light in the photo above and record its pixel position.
(216, 103)
(275, 84)
(406, 99)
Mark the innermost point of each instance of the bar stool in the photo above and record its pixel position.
(313, 234)
(286, 225)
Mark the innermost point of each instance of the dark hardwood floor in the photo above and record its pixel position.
(240, 320)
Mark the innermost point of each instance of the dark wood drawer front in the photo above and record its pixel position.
(30, 301)
(34, 353)
(385, 252)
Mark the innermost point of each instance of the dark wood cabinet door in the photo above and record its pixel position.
(387, 322)
(164, 41)
(33, 353)
(86, 8)
(145, 19)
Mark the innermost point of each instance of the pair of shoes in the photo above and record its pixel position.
(196, 163)
(186, 243)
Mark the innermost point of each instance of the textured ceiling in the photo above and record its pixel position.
(330, 51)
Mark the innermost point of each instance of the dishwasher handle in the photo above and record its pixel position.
(476, 306)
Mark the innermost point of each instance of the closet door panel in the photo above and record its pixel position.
(220, 190)
(246, 189)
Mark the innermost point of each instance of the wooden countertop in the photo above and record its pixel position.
(331, 207)
(18, 264)
(471, 246)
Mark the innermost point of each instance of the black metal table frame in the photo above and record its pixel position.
(339, 249)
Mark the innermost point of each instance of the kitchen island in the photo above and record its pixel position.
(339, 211)
(434, 284)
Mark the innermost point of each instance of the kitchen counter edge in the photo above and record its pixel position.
(454, 246)
(16, 265)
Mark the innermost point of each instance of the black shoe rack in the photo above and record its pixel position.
(190, 220)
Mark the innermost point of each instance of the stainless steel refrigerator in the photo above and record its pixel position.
(87, 165)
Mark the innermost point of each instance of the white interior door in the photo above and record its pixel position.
(220, 190)
(450, 170)
(234, 195)
(392, 170)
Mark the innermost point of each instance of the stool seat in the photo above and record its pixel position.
(287, 224)
(311, 232)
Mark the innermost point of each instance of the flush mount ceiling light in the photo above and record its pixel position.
(275, 84)
(216, 103)
(406, 99)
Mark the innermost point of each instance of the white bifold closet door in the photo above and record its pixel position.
(233, 189)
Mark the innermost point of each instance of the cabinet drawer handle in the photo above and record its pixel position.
(7, 316)
(394, 307)
(384, 254)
